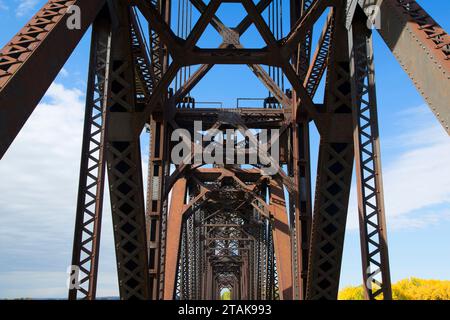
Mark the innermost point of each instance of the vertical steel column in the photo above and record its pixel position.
(183, 265)
(155, 203)
(190, 256)
(270, 286)
(281, 239)
(174, 229)
(375, 258)
(197, 239)
(210, 282)
(205, 269)
(214, 288)
(334, 172)
(303, 213)
(158, 166)
(235, 289)
(255, 267)
(264, 265)
(125, 165)
(201, 253)
(301, 201)
(239, 285)
(244, 272)
(92, 172)
(248, 275)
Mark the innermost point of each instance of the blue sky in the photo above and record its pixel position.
(40, 172)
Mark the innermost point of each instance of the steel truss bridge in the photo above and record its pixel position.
(202, 229)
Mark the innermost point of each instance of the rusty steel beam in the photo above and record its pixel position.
(175, 221)
(281, 239)
(301, 60)
(421, 47)
(230, 56)
(29, 63)
(156, 203)
(158, 52)
(252, 117)
(125, 165)
(145, 72)
(159, 94)
(227, 227)
(243, 26)
(86, 245)
(231, 38)
(260, 25)
(334, 173)
(158, 22)
(301, 28)
(319, 61)
(307, 105)
(148, 74)
(375, 257)
(200, 27)
(266, 157)
(196, 77)
(300, 202)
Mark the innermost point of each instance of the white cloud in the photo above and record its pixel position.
(38, 201)
(25, 7)
(43, 154)
(64, 73)
(3, 5)
(44, 285)
(417, 180)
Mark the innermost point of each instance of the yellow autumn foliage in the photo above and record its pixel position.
(351, 293)
(408, 289)
(226, 295)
